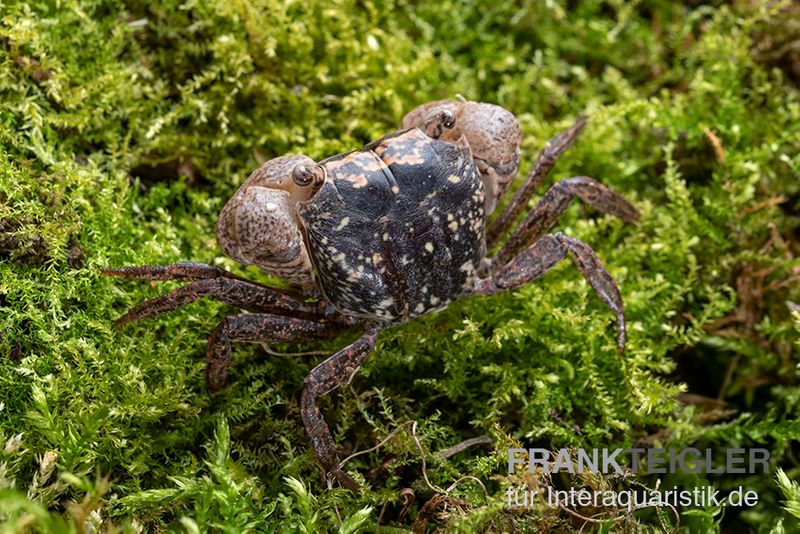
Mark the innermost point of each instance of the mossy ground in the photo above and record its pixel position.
(124, 127)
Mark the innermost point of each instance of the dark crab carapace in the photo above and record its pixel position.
(381, 235)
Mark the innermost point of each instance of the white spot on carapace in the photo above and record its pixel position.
(434, 300)
(419, 308)
(386, 303)
(270, 207)
(429, 246)
(344, 222)
(376, 258)
(395, 189)
(453, 226)
(386, 236)
(424, 289)
(454, 178)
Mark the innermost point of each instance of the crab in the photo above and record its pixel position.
(376, 237)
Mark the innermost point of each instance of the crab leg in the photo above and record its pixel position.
(259, 327)
(544, 163)
(239, 293)
(324, 378)
(184, 271)
(554, 202)
(542, 255)
(212, 282)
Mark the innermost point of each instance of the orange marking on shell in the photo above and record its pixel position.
(341, 162)
(371, 164)
(413, 136)
(410, 142)
(358, 180)
(412, 158)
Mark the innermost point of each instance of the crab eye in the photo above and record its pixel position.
(448, 119)
(302, 175)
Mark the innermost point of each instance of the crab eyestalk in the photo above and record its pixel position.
(306, 180)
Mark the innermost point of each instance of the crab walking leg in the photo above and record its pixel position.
(257, 327)
(541, 168)
(324, 378)
(541, 256)
(232, 291)
(553, 203)
(184, 271)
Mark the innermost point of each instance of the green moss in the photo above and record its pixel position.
(124, 128)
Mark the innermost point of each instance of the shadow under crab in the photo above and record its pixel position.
(381, 235)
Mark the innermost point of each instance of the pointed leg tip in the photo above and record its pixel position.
(622, 331)
(346, 480)
(129, 271)
(215, 384)
(580, 123)
(632, 215)
(632, 219)
(621, 342)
